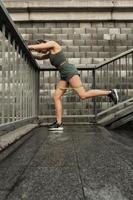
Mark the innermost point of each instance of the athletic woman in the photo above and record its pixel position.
(68, 75)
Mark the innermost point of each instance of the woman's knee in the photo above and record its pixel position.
(57, 95)
(82, 95)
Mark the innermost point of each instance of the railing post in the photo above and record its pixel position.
(37, 88)
(94, 87)
(3, 75)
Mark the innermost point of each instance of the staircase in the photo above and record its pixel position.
(116, 116)
(89, 33)
(85, 44)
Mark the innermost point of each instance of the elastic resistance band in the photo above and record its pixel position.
(70, 88)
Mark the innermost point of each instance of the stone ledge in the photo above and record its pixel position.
(70, 10)
(68, 4)
(12, 136)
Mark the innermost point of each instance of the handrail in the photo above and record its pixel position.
(78, 68)
(125, 53)
(19, 83)
(6, 20)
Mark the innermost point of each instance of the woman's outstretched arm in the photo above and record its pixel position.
(41, 57)
(42, 46)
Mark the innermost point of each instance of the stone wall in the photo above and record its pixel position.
(84, 43)
(88, 31)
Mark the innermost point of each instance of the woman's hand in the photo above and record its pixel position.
(31, 47)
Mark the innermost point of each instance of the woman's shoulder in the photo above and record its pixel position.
(56, 46)
(53, 42)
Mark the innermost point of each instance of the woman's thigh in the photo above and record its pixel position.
(77, 84)
(60, 88)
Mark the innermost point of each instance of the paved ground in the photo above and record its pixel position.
(84, 162)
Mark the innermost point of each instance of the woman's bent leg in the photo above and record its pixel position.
(76, 83)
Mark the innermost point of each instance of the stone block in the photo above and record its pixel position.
(79, 54)
(85, 36)
(114, 30)
(73, 48)
(50, 25)
(74, 25)
(129, 47)
(85, 24)
(25, 25)
(49, 36)
(120, 24)
(98, 60)
(44, 30)
(122, 16)
(61, 24)
(103, 30)
(108, 37)
(18, 25)
(91, 30)
(129, 24)
(22, 30)
(98, 36)
(74, 60)
(119, 42)
(62, 36)
(97, 24)
(92, 54)
(79, 30)
(107, 48)
(69, 54)
(79, 42)
(74, 36)
(31, 30)
(130, 36)
(81, 65)
(90, 42)
(67, 30)
(127, 42)
(56, 30)
(109, 24)
(97, 48)
(67, 42)
(26, 36)
(104, 55)
(38, 25)
(86, 60)
(121, 48)
(85, 48)
(103, 42)
(64, 48)
(121, 36)
(126, 30)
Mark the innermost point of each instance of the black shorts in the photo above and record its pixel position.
(67, 71)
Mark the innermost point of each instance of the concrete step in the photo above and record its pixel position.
(121, 113)
(12, 136)
(68, 119)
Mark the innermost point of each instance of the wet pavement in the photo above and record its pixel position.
(84, 162)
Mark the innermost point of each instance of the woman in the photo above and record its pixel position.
(69, 75)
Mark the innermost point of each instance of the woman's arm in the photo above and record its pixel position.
(42, 46)
(41, 57)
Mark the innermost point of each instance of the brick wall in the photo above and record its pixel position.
(84, 43)
(88, 31)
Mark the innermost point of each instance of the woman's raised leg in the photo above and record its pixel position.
(76, 84)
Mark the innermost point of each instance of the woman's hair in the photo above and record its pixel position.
(36, 41)
(40, 41)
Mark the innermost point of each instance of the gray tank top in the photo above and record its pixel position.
(57, 59)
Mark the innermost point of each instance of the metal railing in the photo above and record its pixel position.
(19, 75)
(20, 96)
(115, 73)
